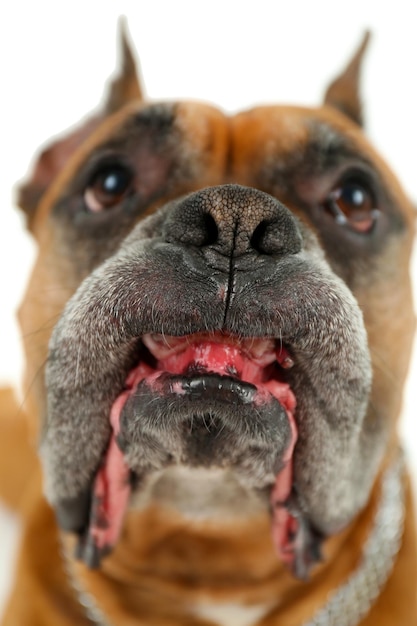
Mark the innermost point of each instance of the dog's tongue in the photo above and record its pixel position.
(111, 490)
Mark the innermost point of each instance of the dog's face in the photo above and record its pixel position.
(229, 293)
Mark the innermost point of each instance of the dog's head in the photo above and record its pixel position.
(230, 304)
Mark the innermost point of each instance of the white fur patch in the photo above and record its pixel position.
(231, 614)
(200, 494)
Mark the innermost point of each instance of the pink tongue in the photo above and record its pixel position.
(111, 490)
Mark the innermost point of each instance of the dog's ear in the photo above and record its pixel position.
(343, 93)
(124, 88)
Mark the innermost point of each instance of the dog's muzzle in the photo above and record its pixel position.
(217, 336)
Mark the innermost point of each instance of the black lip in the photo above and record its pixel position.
(226, 388)
(203, 420)
(171, 399)
(73, 513)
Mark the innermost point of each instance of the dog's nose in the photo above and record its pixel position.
(234, 220)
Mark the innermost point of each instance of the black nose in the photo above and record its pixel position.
(234, 220)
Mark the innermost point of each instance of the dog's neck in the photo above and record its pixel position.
(181, 560)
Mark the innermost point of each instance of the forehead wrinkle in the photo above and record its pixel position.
(329, 146)
(324, 149)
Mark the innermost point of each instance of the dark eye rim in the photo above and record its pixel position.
(363, 179)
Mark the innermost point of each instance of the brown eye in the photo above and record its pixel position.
(353, 204)
(108, 188)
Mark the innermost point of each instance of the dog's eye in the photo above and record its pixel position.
(352, 203)
(108, 188)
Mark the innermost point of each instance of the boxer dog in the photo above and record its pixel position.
(217, 330)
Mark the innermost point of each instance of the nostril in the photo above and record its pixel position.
(210, 230)
(192, 227)
(277, 236)
(268, 238)
(259, 236)
(200, 230)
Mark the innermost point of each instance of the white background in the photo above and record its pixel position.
(56, 56)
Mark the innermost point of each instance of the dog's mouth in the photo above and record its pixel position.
(204, 400)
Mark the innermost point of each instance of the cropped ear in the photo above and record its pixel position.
(126, 86)
(123, 89)
(343, 93)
